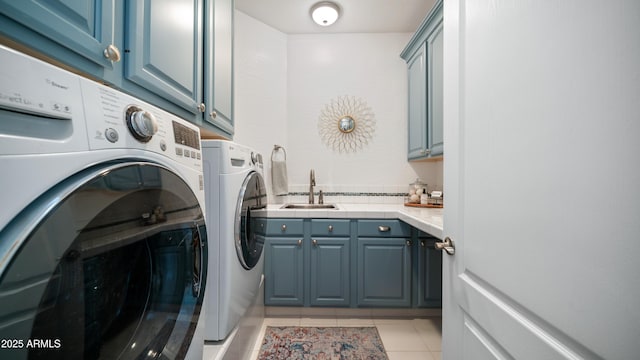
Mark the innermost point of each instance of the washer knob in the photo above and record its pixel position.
(142, 124)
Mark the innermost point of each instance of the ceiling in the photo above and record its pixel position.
(356, 16)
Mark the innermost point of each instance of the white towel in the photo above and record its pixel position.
(279, 181)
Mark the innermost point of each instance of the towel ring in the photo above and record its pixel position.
(276, 148)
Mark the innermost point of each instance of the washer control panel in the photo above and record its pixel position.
(40, 105)
(142, 124)
(117, 120)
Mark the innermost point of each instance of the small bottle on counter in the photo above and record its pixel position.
(416, 190)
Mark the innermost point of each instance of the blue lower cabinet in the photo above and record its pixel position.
(329, 272)
(308, 262)
(429, 273)
(384, 272)
(283, 269)
(350, 263)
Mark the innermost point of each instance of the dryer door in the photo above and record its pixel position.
(253, 196)
(106, 265)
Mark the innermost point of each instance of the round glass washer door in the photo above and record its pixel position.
(108, 264)
(249, 244)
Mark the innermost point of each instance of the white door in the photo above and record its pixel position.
(542, 176)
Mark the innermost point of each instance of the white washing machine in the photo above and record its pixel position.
(103, 248)
(235, 194)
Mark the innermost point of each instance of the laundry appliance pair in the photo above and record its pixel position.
(103, 241)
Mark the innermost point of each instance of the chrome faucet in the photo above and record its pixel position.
(312, 183)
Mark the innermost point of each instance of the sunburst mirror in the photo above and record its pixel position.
(346, 124)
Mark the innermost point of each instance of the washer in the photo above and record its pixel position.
(235, 194)
(103, 247)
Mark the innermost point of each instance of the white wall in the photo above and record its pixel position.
(260, 86)
(284, 81)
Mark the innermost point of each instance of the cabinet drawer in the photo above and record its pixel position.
(383, 228)
(330, 227)
(281, 227)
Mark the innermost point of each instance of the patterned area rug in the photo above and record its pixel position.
(322, 343)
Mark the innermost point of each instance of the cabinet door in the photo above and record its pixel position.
(434, 91)
(83, 26)
(384, 272)
(164, 49)
(329, 270)
(417, 136)
(218, 90)
(283, 261)
(429, 291)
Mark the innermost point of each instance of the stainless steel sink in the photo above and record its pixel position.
(310, 206)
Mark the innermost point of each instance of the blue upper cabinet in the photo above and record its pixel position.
(164, 49)
(424, 57)
(175, 54)
(218, 74)
(86, 27)
(417, 104)
(435, 103)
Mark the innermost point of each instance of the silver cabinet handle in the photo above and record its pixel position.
(315, 242)
(409, 243)
(112, 53)
(299, 242)
(213, 114)
(202, 107)
(422, 243)
(284, 227)
(330, 228)
(447, 245)
(384, 228)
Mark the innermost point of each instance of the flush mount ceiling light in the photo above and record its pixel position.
(325, 13)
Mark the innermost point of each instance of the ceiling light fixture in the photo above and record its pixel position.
(325, 13)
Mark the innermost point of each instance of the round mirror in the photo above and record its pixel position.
(346, 124)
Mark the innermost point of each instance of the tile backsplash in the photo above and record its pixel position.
(348, 194)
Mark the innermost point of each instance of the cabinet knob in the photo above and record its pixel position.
(330, 228)
(112, 53)
(284, 227)
(384, 228)
(213, 114)
(422, 243)
(315, 242)
(409, 243)
(202, 107)
(299, 242)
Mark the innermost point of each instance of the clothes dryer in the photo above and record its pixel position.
(235, 196)
(103, 248)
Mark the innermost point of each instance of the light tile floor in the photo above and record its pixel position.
(403, 339)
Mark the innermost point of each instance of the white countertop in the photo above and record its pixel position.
(428, 220)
